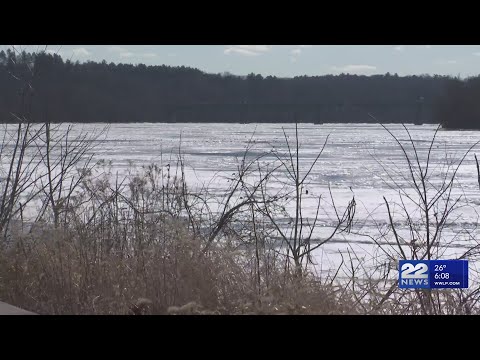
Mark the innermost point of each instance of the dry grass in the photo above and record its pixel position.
(57, 272)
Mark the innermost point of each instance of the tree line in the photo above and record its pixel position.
(67, 91)
(459, 106)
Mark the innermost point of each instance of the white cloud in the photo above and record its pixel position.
(476, 53)
(297, 51)
(116, 49)
(247, 50)
(241, 51)
(81, 52)
(148, 55)
(428, 46)
(354, 69)
(445, 62)
(125, 53)
(399, 48)
(257, 48)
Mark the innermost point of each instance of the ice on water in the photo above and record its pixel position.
(355, 162)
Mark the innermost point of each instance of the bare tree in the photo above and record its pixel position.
(298, 235)
(67, 159)
(415, 230)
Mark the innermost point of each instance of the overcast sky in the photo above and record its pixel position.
(287, 60)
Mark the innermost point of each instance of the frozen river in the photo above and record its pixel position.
(356, 162)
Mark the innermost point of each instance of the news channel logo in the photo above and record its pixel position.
(433, 274)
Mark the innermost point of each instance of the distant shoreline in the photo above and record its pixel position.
(221, 122)
(249, 123)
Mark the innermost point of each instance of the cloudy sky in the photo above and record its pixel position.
(287, 60)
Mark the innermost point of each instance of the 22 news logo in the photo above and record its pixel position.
(414, 274)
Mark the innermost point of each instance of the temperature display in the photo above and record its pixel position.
(433, 274)
(448, 274)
